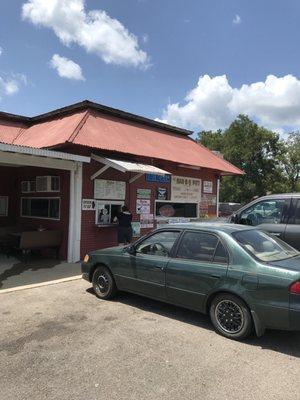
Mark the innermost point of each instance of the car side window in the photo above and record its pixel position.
(220, 255)
(264, 212)
(158, 244)
(198, 246)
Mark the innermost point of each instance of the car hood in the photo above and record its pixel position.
(109, 250)
(289, 263)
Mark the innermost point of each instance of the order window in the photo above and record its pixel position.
(106, 211)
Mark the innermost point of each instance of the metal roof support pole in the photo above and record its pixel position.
(71, 217)
(218, 195)
(74, 237)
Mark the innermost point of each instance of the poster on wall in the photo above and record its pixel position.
(106, 189)
(147, 221)
(88, 205)
(161, 193)
(136, 228)
(185, 189)
(210, 199)
(207, 187)
(142, 206)
(143, 193)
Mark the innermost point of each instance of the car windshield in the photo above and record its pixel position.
(264, 246)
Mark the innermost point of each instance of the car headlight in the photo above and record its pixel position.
(86, 258)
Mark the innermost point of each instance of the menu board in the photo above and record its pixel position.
(109, 190)
(185, 189)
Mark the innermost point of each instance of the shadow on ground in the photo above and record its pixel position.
(15, 273)
(280, 341)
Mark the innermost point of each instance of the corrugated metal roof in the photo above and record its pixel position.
(95, 129)
(12, 148)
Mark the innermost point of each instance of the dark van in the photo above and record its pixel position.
(278, 214)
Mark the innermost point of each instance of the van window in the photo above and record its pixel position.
(295, 217)
(264, 212)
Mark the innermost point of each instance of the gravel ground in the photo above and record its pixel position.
(61, 342)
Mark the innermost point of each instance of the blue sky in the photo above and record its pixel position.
(178, 47)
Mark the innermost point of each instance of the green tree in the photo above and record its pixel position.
(255, 150)
(291, 161)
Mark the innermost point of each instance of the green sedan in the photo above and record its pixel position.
(245, 279)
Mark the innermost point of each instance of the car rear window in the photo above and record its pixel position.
(264, 246)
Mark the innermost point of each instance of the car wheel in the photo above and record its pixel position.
(230, 316)
(104, 284)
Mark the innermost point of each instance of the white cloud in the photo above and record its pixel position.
(95, 30)
(66, 68)
(236, 20)
(10, 85)
(1, 50)
(214, 103)
(145, 38)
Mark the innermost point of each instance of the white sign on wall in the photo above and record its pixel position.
(185, 189)
(109, 190)
(142, 206)
(207, 187)
(88, 205)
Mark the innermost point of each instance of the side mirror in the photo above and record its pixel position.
(131, 250)
(234, 219)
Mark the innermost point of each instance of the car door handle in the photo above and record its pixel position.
(215, 276)
(276, 233)
(159, 267)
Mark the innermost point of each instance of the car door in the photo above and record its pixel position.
(292, 231)
(268, 214)
(200, 264)
(149, 263)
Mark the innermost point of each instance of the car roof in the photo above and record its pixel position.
(275, 196)
(210, 226)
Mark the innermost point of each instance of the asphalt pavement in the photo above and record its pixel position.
(61, 342)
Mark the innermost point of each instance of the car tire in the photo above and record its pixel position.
(104, 284)
(230, 316)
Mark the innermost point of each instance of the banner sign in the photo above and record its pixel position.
(158, 178)
(185, 189)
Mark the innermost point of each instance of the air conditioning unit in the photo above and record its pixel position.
(47, 184)
(28, 186)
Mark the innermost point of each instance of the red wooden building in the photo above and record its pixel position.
(72, 168)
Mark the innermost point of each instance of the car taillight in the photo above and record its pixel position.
(86, 258)
(295, 288)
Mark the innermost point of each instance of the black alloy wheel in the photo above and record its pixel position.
(230, 316)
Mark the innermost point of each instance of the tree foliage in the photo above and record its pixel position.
(271, 165)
